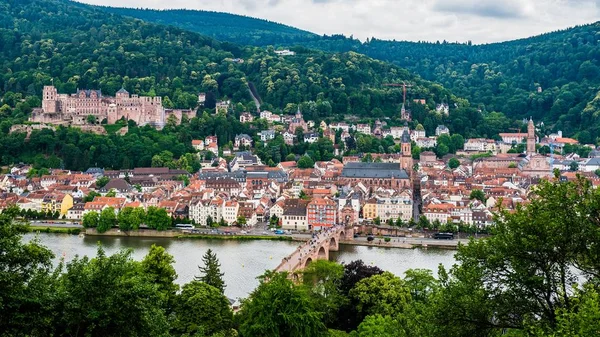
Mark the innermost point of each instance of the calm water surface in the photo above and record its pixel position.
(241, 261)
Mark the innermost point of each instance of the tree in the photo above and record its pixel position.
(322, 279)
(203, 310)
(91, 196)
(277, 307)
(157, 218)
(302, 195)
(126, 220)
(477, 195)
(421, 284)
(299, 133)
(157, 265)
(107, 219)
(399, 222)
(89, 290)
(24, 277)
(458, 141)
(210, 273)
(368, 158)
(290, 157)
(91, 119)
(111, 194)
(90, 220)
(574, 166)
(305, 162)
(354, 272)
(383, 294)
(241, 220)
(531, 259)
(441, 150)
(102, 181)
(584, 317)
(379, 326)
(423, 222)
(453, 163)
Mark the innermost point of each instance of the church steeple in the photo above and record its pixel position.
(530, 137)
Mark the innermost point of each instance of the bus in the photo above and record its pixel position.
(443, 236)
(184, 226)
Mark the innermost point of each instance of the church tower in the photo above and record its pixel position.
(406, 161)
(530, 138)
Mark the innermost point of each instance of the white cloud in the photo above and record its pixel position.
(454, 20)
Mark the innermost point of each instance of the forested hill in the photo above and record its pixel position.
(502, 77)
(80, 46)
(222, 26)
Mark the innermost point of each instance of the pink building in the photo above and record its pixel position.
(75, 108)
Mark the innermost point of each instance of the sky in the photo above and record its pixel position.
(480, 21)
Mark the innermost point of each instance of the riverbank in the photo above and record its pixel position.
(236, 237)
(176, 234)
(54, 230)
(448, 245)
(401, 243)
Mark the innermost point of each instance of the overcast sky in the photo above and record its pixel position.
(454, 20)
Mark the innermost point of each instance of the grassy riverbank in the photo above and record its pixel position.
(56, 230)
(236, 237)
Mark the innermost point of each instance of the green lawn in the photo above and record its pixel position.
(112, 128)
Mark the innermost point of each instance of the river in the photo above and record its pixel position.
(241, 261)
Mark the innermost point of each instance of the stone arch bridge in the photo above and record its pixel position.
(317, 248)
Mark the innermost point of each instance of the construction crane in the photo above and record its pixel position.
(403, 85)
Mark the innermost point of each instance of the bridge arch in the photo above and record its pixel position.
(334, 243)
(307, 262)
(322, 254)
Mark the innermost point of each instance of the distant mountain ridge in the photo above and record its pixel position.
(234, 28)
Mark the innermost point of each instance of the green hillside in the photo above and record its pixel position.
(222, 26)
(96, 50)
(501, 77)
(79, 46)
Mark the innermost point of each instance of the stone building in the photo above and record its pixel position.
(75, 108)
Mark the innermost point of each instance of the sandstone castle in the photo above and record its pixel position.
(74, 109)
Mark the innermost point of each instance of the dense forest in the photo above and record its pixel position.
(537, 276)
(552, 77)
(238, 29)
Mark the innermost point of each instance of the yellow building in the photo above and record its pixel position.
(370, 209)
(57, 202)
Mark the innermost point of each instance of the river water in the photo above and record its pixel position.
(241, 261)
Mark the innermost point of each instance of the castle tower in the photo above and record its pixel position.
(49, 99)
(530, 137)
(122, 93)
